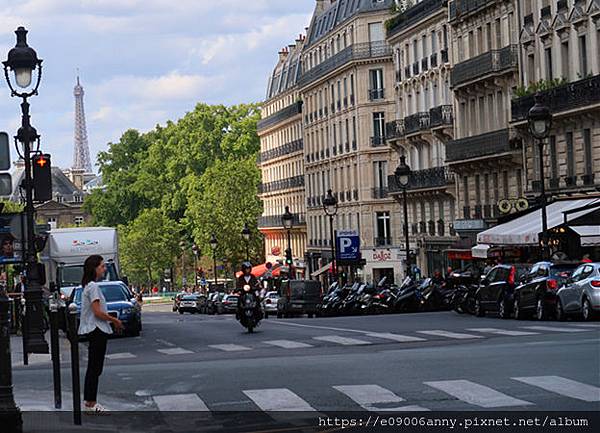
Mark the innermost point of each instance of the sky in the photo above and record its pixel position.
(142, 62)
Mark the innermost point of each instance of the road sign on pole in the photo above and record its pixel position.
(348, 245)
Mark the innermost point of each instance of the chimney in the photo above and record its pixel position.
(76, 176)
(282, 54)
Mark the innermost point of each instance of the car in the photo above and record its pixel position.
(192, 303)
(118, 303)
(495, 292)
(177, 300)
(536, 293)
(213, 301)
(581, 293)
(228, 304)
(299, 297)
(270, 303)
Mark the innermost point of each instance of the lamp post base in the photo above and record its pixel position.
(10, 415)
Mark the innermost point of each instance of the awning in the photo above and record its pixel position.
(321, 271)
(259, 270)
(526, 229)
(480, 251)
(588, 235)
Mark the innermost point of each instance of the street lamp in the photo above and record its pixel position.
(182, 245)
(288, 223)
(195, 250)
(23, 61)
(213, 245)
(402, 176)
(539, 119)
(246, 235)
(330, 205)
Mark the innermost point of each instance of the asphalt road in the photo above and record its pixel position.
(427, 361)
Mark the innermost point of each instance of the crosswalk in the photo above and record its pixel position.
(376, 398)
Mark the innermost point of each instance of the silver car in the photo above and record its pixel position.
(270, 303)
(581, 294)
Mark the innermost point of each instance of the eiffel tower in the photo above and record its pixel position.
(81, 157)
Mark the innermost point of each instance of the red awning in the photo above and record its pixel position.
(260, 270)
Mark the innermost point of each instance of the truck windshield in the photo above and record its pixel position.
(72, 275)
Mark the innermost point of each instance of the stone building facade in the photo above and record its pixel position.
(560, 52)
(420, 40)
(282, 159)
(346, 84)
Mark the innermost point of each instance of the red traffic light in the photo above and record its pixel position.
(42, 161)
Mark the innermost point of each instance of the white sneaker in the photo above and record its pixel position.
(96, 409)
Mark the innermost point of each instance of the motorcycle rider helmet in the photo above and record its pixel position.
(246, 266)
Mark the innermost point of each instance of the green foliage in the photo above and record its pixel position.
(12, 207)
(398, 9)
(148, 246)
(539, 86)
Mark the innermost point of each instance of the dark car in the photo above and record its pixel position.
(298, 297)
(118, 303)
(538, 290)
(495, 292)
(192, 304)
(228, 304)
(177, 300)
(212, 302)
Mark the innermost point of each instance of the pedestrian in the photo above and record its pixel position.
(95, 324)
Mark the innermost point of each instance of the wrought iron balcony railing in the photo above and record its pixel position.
(291, 182)
(416, 122)
(367, 50)
(459, 8)
(376, 141)
(287, 148)
(413, 15)
(491, 62)
(376, 94)
(487, 144)
(281, 115)
(566, 97)
(275, 220)
(440, 115)
(382, 241)
(380, 192)
(394, 129)
(436, 177)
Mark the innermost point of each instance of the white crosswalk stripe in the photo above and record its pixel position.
(344, 341)
(278, 400)
(125, 355)
(448, 334)
(175, 351)
(288, 344)
(372, 397)
(229, 347)
(563, 386)
(395, 337)
(502, 331)
(554, 329)
(587, 325)
(476, 394)
(180, 403)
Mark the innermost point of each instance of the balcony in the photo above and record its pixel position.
(436, 177)
(291, 182)
(433, 60)
(394, 130)
(488, 144)
(440, 116)
(413, 15)
(382, 241)
(281, 115)
(378, 141)
(275, 221)
(577, 94)
(416, 122)
(285, 149)
(490, 63)
(379, 193)
(375, 94)
(458, 9)
(368, 50)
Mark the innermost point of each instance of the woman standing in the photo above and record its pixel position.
(95, 324)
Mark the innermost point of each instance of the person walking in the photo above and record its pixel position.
(95, 324)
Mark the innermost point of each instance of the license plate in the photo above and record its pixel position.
(296, 306)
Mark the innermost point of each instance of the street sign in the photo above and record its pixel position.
(348, 245)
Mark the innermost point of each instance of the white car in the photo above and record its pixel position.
(270, 303)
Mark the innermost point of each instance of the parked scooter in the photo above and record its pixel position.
(408, 297)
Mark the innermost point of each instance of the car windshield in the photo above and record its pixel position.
(112, 293)
(562, 273)
(190, 298)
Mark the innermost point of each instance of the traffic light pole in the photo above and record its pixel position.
(33, 289)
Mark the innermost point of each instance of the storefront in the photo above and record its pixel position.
(384, 262)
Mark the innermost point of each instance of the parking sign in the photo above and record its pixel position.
(348, 245)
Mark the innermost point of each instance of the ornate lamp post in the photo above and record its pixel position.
(195, 250)
(330, 205)
(182, 245)
(539, 119)
(288, 223)
(213, 245)
(246, 235)
(402, 175)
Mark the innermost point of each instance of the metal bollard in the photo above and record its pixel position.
(24, 331)
(55, 348)
(74, 339)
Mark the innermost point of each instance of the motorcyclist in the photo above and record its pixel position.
(246, 279)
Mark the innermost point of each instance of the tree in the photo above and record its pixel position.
(148, 246)
(11, 207)
(221, 202)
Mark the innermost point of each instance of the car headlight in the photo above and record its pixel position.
(126, 311)
(193, 304)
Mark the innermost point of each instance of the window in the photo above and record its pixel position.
(570, 155)
(564, 54)
(383, 228)
(488, 34)
(378, 124)
(471, 43)
(587, 151)
(548, 58)
(461, 52)
(583, 63)
(376, 83)
(78, 221)
(531, 68)
(380, 171)
(498, 29)
(433, 42)
(376, 32)
(553, 158)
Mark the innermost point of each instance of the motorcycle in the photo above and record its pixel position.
(250, 314)
(408, 297)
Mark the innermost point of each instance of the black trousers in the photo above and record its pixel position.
(96, 353)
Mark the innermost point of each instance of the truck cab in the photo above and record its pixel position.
(298, 297)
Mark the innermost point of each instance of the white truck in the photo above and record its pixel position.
(67, 249)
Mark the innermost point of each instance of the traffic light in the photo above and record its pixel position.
(289, 260)
(42, 177)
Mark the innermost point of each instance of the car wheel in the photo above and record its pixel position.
(479, 310)
(518, 313)
(180, 312)
(540, 310)
(503, 309)
(560, 312)
(586, 310)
